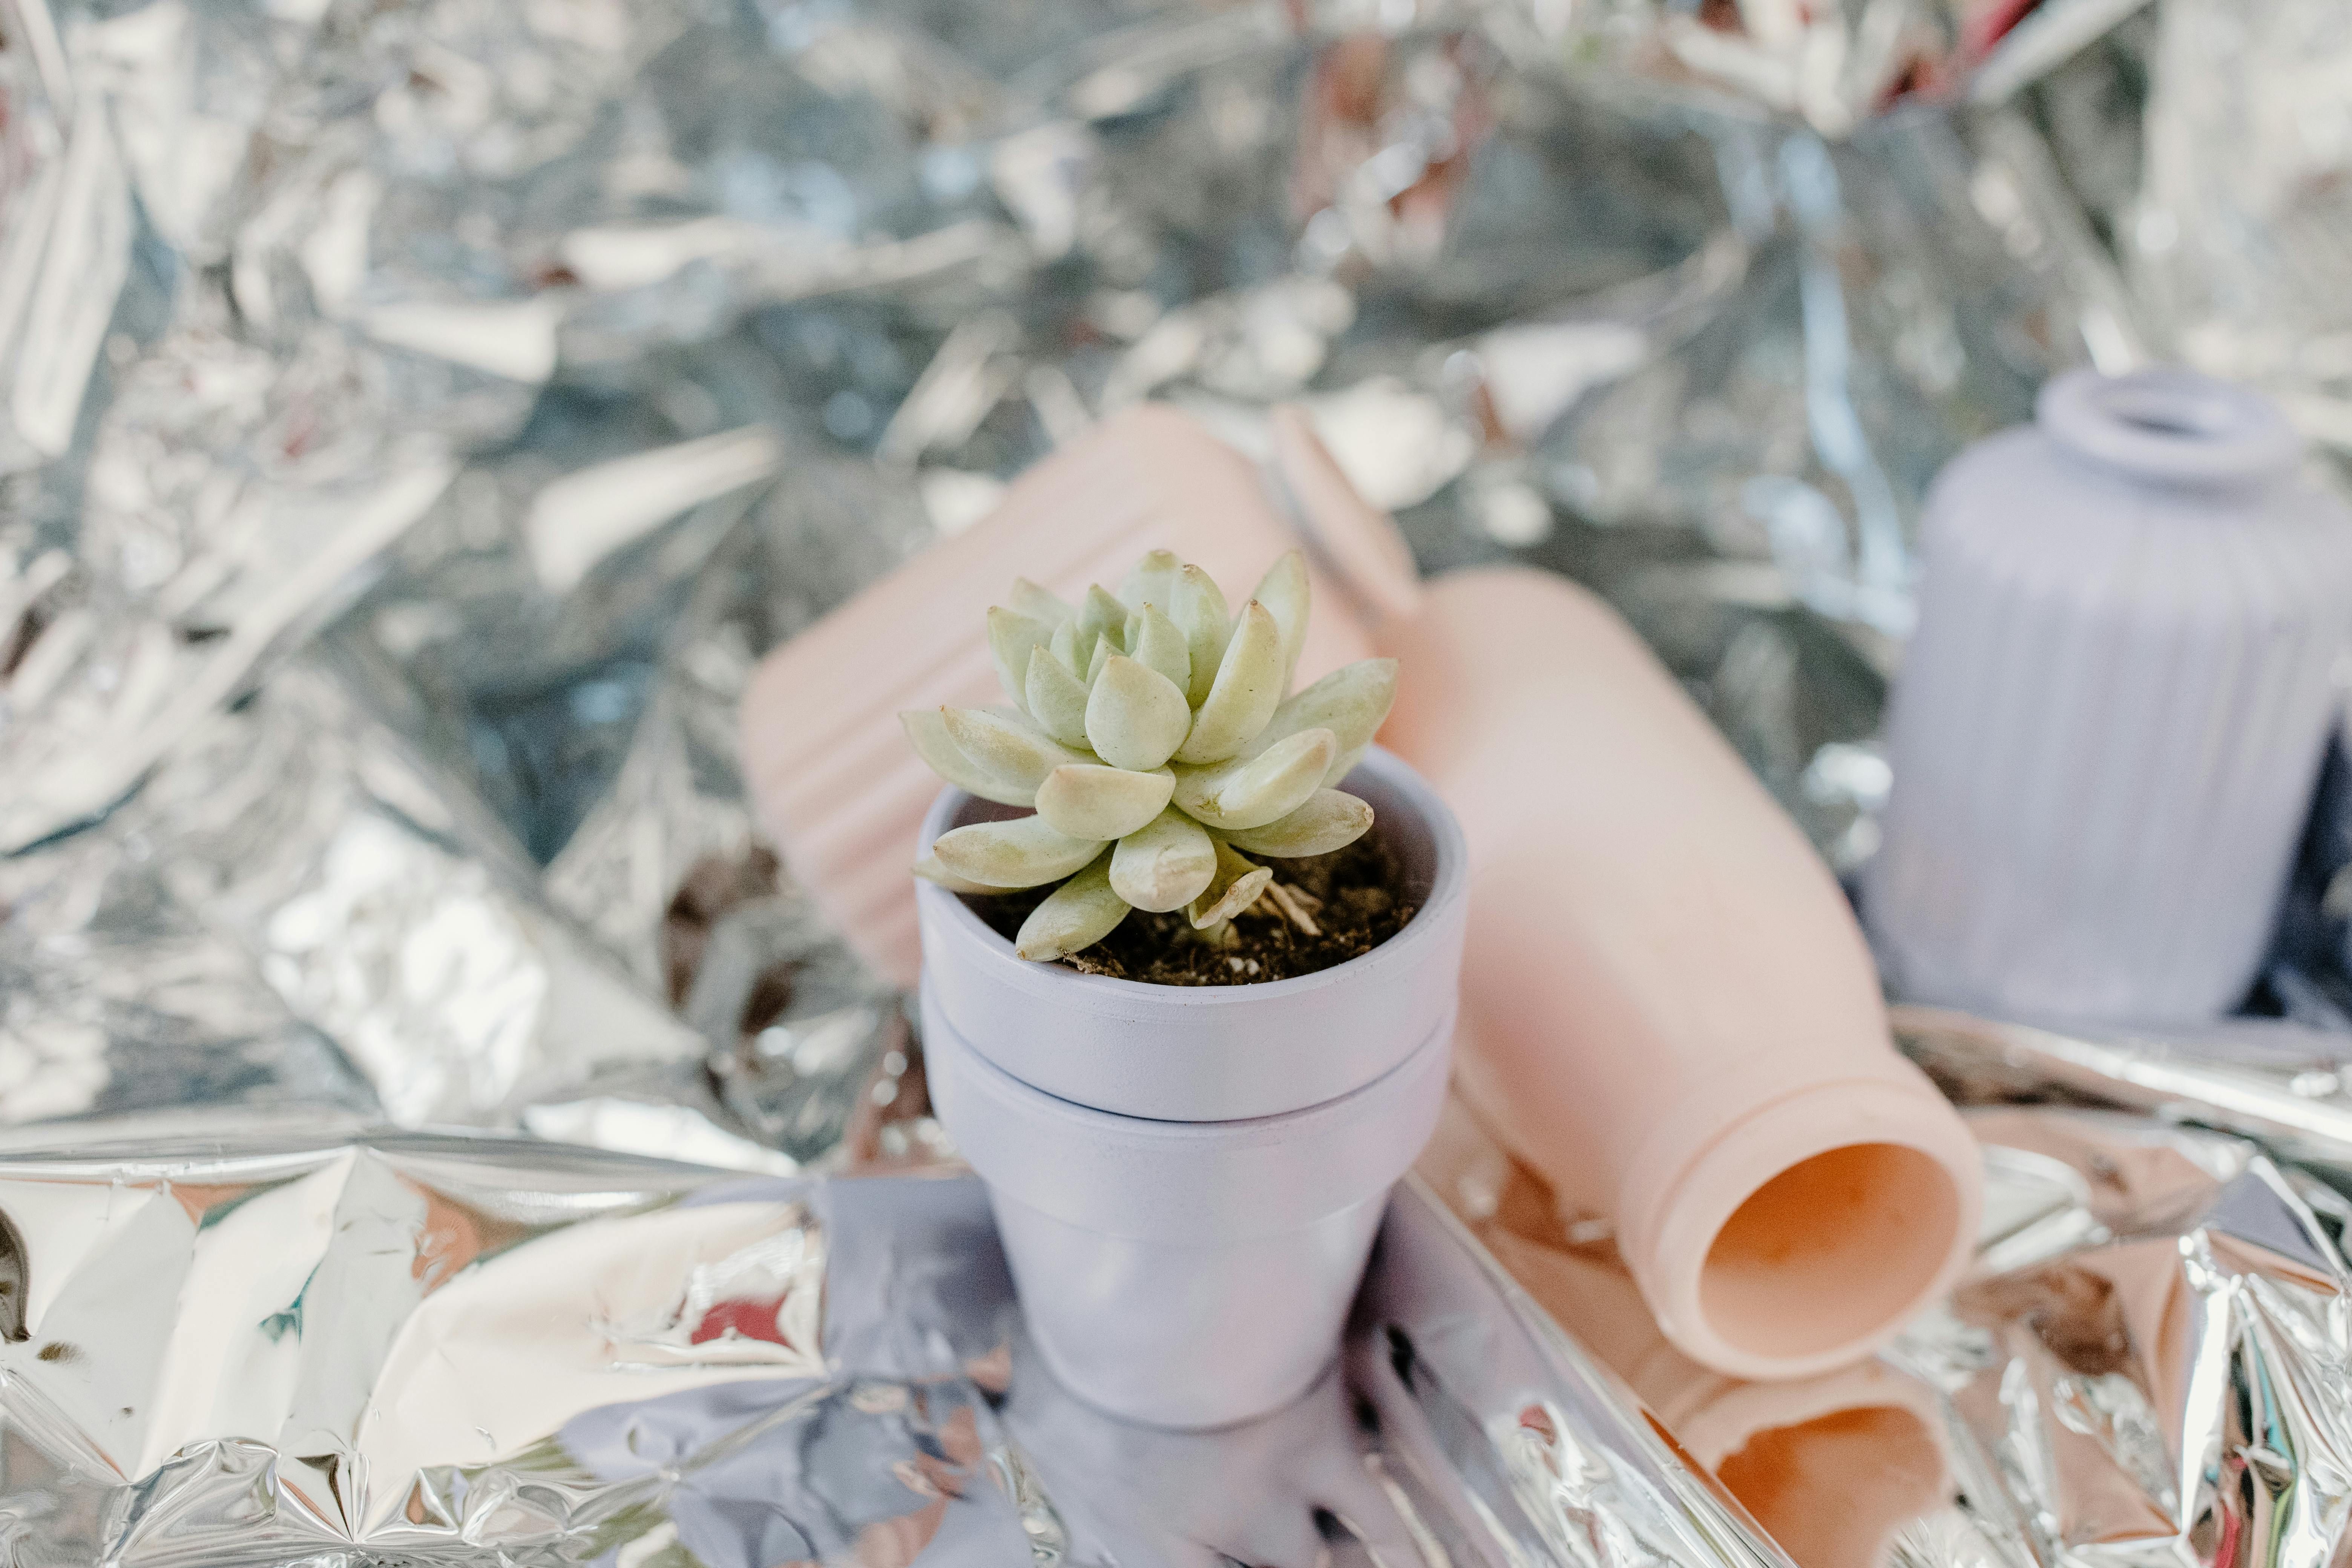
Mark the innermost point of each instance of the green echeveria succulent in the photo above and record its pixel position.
(1149, 732)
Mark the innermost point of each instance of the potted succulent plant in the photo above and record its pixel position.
(1190, 953)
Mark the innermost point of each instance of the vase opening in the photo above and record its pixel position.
(2169, 426)
(1828, 1251)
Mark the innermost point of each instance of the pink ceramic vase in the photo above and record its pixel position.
(1668, 1011)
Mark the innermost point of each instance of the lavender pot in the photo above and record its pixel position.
(1188, 1180)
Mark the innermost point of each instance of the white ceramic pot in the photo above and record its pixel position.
(1188, 1179)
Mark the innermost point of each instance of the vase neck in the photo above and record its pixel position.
(2169, 427)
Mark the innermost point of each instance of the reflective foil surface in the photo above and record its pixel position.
(2151, 1363)
(425, 1348)
(429, 1094)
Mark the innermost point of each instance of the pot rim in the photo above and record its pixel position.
(1450, 886)
(2169, 424)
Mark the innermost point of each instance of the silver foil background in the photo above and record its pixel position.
(417, 417)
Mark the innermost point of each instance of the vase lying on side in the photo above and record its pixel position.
(1667, 1010)
(1188, 1180)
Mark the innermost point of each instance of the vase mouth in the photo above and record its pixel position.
(1735, 1250)
(1428, 839)
(2169, 426)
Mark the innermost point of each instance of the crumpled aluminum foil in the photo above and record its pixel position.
(2269, 1079)
(2150, 1362)
(2170, 1352)
(302, 840)
(590, 396)
(426, 1348)
(417, 417)
(2234, 250)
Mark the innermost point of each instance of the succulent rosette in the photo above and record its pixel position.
(1155, 737)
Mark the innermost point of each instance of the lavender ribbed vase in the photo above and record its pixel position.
(2106, 727)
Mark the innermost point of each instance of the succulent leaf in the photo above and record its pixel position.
(1328, 820)
(1149, 735)
(1065, 648)
(1057, 697)
(1136, 717)
(1101, 615)
(930, 869)
(1237, 886)
(1165, 864)
(1086, 800)
(1283, 595)
(1153, 581)
(1200, 614)
(1245, 693)
(1075, 916)
(1011, 635)
(1023, 852)
(1251, 792)
(1040, 604)
(1154, 641)
(1352, 702)
(1012, 750)
(928, 733)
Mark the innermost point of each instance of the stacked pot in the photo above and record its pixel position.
(1188, 1180)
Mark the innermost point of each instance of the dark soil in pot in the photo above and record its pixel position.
(1317, 913)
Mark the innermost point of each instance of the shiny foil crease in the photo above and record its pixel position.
(419, 1348)
(2151, 1361)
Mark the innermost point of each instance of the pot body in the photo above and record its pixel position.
(1188, 1180)
(2107, 726)
(1667, 1008)
(1184, 1274)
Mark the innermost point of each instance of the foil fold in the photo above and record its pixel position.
(2159, 1357)
(429, 1347)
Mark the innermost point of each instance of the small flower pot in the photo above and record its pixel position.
(1188, 1179)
